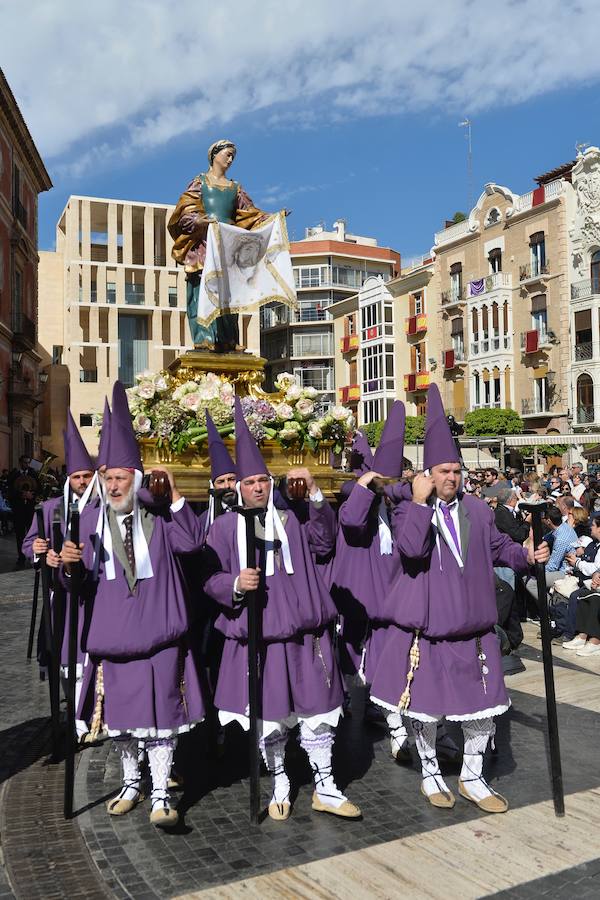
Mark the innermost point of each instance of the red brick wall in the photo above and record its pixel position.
(6, 169)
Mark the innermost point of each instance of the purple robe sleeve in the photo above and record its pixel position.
(354, 514)
(30, 537)
(184, 530)
(414, 534)
(320, 530)
(219, 558)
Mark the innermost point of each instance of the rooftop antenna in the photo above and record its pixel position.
(466, 123)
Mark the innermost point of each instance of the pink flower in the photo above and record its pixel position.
(193, 402)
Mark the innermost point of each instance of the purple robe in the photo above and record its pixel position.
(452, 608)
(49, 507)
(299, 672)
(150, 680)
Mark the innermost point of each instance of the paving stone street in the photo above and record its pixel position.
(402, 847)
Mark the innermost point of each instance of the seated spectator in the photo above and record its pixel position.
(555, 486)
(587, 621)
(565, 541)
(578, 489)
(581, 524)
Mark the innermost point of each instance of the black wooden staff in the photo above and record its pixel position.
(254, 608)
(53, 684)
(71, 732)
(34, 606)
(58, 600)
(537, 510)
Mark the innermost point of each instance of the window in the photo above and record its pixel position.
(311, 276)
(307, 344)
(537, 245)
(497, 394)
(57, 351)
(495, 260)
(320, 378)
(173, 296)
(477, 389)
(88, 376)
(372, 411)
(493, 217)
(86, 420)
(417, 306)
(539, 316)
(133, 347)
(458, 341)
(595, 272)
(540, 389)
(455, 282)
(111, 292)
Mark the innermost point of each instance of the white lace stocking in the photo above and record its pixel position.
(425, 734)
(160, 759)
(131, 771)
(477, 733)
(397, 729)
(273, 751)
(318, 746)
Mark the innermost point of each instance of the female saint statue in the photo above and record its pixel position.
(210, 197)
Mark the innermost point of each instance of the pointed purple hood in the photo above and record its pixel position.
(248, 457)
(361, 455)
(440, 446)
(389, 456)
(104, 436)
(123, 451)
(221, 462)
(77, 458)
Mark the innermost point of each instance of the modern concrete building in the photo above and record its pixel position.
(23, 177)
(112, 303)
(329, 266)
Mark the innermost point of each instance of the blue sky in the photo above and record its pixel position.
(346, 109)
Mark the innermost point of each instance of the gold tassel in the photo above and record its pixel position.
(413, 658)
(97, 725)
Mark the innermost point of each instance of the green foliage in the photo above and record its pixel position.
(544, 449)
(458, 217)
(415, 430)
(492, 422)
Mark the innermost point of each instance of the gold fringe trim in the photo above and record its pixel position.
(97, 724)
(413, 657)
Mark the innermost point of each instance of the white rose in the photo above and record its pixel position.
(146, 375)
(191, 402)
(284, 381)
(146, 390)
(284, 411)
(315, 431)
(305, 407)
(293, 393)
(160, 383)
(142, 424)
(339, 413)
(310, 392)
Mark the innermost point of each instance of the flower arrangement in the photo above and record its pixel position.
(174, 414)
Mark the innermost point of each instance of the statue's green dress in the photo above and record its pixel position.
(188, 227)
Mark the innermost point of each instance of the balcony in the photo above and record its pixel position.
(23, 331)
(533, 272)
(311, 345)
(585, 415)
(532, 341)
(587, 288)
(453, 297)
(493, 282)
(349, 343)
(350, 393)
(134, 295)
(584, 351)
(493, 344)
(416, 381)
(453, 358)
(535, 407)
(452, 233)
(415, 324)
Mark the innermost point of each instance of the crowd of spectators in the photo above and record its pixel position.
(572, 526)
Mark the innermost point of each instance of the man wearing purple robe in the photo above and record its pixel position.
(80, 488)
(442, 658)
(146, 685)
(300, 679)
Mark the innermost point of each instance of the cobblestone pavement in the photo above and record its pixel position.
(98, 856)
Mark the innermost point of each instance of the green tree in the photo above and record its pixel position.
(415, 430)
(492, 422)
(458, 217)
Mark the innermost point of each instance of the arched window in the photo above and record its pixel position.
(585, 399)
(595, 272)
(476, 389)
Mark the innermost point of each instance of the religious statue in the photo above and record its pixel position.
(210, 197)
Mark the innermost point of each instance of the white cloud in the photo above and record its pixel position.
(147, 71)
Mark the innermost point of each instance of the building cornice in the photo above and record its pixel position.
(10, 108)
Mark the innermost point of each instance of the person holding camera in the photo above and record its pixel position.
(300, 679)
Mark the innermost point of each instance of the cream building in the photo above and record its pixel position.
(111, 304)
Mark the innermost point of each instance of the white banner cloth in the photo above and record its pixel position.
(245, 269)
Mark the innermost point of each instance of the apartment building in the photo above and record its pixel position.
(23, 177)
(112, 303)
(329, 267)
(584, 268)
